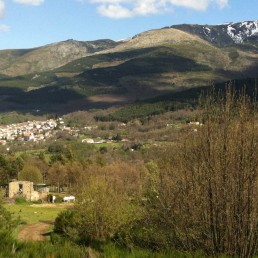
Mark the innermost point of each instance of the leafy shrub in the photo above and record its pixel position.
(38, 202)
(66, 224)
(49, 197)
(20, 200)
(136, 146)
(56, 148)
(58, 199)
(103, 149)
(117, 137)
(7, 225)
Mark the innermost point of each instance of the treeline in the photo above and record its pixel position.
(142, 111)
(62, 164)
(16, 117)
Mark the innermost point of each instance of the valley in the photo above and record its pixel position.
(155, 138)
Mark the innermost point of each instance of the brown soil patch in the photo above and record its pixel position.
(108, 98)
(53, 205)
(33, 232)
(108, 64)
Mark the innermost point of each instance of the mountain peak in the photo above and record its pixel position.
(241, 31)
(224, 34)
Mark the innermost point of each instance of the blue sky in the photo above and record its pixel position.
(33, 23)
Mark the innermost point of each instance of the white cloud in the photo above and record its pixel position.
(29, 2)
(222, 3)
(2, 7)
(109, 1)
(148, 7)
(129, 8)
(114, 11)
(199, 5)
(4, 28)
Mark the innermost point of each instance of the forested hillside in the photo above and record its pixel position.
(70, 75)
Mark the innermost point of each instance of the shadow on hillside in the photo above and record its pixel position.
(252, 71)
(192, 95)
(55, 100)
(45, 100)
(60, 100)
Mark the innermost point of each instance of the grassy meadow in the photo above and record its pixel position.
(35, 213)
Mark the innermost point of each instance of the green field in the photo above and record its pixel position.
(35, 213)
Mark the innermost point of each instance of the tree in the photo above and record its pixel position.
(57, 175)
(225, 172)
(4, 175)
(74, 174)
(30, 173)
(102, 211)
(7, 226)
(9, 167)
(60, 153)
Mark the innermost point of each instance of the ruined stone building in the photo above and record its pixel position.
(24, 189)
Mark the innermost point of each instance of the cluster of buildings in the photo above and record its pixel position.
(28, 131)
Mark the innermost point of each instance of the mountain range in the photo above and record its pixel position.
(71, 75)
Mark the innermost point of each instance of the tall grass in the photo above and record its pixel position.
(41, 250)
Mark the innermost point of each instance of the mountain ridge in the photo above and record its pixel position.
(54, 55)
(72, 75)
(48, 57)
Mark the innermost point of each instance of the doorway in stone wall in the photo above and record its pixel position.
(21, 188)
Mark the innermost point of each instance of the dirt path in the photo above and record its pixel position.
(33, 232)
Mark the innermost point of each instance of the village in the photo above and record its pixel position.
(30, 130)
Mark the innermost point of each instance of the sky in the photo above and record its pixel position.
(34, 23)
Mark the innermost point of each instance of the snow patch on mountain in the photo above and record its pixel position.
(237, 37)
(207, 31)
(123, 40)
(241, 31)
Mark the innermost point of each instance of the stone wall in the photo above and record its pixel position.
(23, 188)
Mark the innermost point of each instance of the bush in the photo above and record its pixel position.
(49, 197)
(20, 200)
(103, 149)
(38, 202)
(58, 199)
(141, 234)
(7, 225)
(66, 224)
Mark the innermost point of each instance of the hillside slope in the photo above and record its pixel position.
(45, 58)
